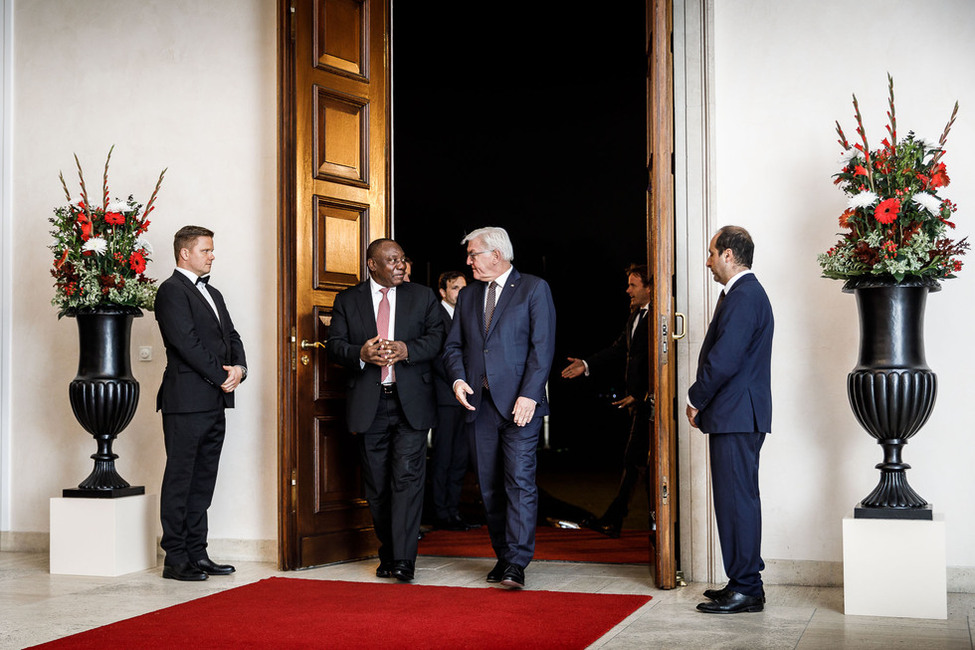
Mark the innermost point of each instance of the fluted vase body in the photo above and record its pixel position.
(892, 390)
(104, 395)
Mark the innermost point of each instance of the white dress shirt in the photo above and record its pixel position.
(201, 287)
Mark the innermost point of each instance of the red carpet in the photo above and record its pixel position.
(567, 545)
(297, 613)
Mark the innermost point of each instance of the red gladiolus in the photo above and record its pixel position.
(137, 262)
(860, 171)
(887, 211)
(938, 177)
(144, 226)
(85, 224)
(60, 262)
(114, 218)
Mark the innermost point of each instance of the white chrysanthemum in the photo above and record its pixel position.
(97, 244)
(118, 205)
(847, 156)
(862, 200)
(142, 242)
(929, 202)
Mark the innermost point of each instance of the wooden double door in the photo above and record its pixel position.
(334, 197)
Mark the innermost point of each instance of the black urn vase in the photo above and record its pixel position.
(892, 391)
(104, 395)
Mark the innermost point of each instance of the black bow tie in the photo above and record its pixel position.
(203, 280)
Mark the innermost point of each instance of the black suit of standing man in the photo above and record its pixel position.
(731, 401)
(499, 351)
(451, 451)
(632, 346)
(204, 366)
(390, 399)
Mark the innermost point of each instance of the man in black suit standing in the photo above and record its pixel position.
(451, 451)
(632, 347)
(731, 401)
(386, 332)
(205, 364)
(499, 352)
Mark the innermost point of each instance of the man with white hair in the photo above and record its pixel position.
(499, 352)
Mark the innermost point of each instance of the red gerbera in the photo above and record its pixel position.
(114, 218)
(887, 211)
(137, 262)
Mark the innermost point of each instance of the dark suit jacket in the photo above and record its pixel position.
(733, 389)
(516, 355)
(197, 348)
(634, 351)
(442, 380)
(418, 325)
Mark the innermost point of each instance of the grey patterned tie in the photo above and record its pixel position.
(489, 304)
(492, 298)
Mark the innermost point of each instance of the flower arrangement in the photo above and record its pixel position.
(100, 252)
(896, 222)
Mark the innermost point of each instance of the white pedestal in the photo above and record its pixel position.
(895, 567)
(103, 537)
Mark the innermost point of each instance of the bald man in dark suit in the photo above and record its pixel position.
(731, 401)
(386, 332)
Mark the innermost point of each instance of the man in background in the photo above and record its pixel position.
(731, 401)
(499, 354)
(386, 332)
(451, 451)
(205, 364)
(632, 347)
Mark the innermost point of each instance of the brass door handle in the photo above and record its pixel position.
(683, 326)
(311, 344)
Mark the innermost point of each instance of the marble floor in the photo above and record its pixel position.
(36, 606)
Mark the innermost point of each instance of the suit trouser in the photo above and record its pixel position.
(394, 468)
(193, 443)
(506, 458)
(449, 460)
(636, 460)
(738, 507)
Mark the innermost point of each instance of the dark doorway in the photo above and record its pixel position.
(533, 119)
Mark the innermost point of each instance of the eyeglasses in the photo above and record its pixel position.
(471, 256)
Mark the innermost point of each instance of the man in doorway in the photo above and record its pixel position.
(205, 364)
(632, 347)
(731, 401)
(499, 352)
(451, 451)
(386, 332)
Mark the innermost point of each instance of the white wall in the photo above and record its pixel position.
(783, 72)
(181, 84)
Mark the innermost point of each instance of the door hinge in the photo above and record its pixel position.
(294, 349)
(294, 489)
(292, 20)
(679, 579)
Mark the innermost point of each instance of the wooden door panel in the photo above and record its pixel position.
(660, 244)
(335, 172)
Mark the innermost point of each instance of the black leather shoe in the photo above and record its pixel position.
(608, 528)
(384, 570)
(403, 570)
(514, 577)
(453, 523)
(497, 573)
(209, 567)
(185, 571)
(732, 602)
(715, 594)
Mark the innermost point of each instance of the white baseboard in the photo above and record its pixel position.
(240, 550)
